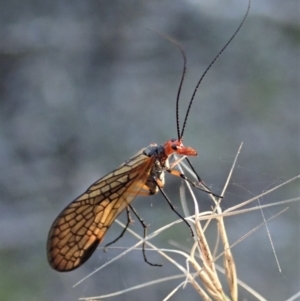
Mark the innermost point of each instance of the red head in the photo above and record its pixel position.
(176, 146)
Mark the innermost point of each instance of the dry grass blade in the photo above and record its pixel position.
(207, 271)
(230, 269)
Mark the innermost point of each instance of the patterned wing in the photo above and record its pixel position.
(81, 226)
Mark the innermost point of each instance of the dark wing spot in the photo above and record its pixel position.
(89, 251)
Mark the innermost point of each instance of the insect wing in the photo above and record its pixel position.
(81, 226)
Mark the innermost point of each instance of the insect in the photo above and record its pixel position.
(82, 225)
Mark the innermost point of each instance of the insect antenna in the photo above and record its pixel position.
(195, 91)
(180, 86)
(209, 66)
(178, 45)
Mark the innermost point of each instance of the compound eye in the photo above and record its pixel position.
(173, 140)
(174, 146)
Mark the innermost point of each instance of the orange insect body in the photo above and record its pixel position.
(81, 226)
(176, 146)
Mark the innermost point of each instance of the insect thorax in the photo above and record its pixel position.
(157, 170)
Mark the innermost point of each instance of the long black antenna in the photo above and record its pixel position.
(213, 61)
(179, 88)
(178, 45)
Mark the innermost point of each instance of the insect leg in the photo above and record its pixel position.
(129, 220)
(145, 235)
(177, 173)
(200, 180)
(170, 203)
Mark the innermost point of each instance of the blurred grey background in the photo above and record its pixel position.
(85, 85)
